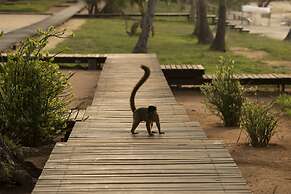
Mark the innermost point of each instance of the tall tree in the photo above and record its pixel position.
(264, 3)
(192, 10)
(141, 45)
(92, 7)
(288, 37)
(219, 42)
(205, 35)
(197, 21)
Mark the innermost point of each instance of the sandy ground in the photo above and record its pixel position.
(83, 83)
(10, 22)
(267, 170)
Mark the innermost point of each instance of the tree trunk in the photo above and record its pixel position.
(141, 45)
(219, 42)
(267, 3)
(182, 4)
(260, 3)
(288, 37)
(205, 35)
(193, 11)
(264, 3)
(197, 22)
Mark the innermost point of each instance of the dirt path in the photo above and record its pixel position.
(261, 56)
(83, 84)
(265, 169)
(10, 22)
(69, 27)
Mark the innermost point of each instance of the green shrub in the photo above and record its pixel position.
(225, 96)
(7, 165)
(32, 99)
(259, 123)
(284, 101)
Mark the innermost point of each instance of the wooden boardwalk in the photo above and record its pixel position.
(101, 156)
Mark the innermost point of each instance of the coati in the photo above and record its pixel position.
(149, 114)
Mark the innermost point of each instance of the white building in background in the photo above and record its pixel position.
(254, 15)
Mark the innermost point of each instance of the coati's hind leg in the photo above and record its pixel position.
(135, 124)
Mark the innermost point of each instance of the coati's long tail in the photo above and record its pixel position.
(142, 80)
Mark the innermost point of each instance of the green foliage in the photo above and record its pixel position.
(32, 98)
(7, 165)
(259, 123)
(284, 101)
(225, 96)
(6, 172)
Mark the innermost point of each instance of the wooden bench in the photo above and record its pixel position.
(211, 17)
(94, 61)
(187, 74)
(258, 79)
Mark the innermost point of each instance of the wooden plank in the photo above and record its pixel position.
(73, 114)
(173, 66)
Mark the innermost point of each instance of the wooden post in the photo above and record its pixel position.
(92, 64)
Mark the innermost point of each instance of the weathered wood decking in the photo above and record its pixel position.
(101, 156)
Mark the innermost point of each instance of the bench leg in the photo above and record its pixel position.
(92, 64)
(283, 88)
(279, 88)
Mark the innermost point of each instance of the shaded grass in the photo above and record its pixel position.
(29, 5)
(277, 49)
(284, 101)
(161, 7)
(172, 42)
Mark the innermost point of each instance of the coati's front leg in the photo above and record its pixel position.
(157, 120)
(149, 125)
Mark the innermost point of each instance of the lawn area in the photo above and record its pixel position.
(29, 5)
(174, 44)
(277, 50)
(162, 6)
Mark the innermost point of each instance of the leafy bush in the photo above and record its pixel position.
(7, 165)
(259, 123)
(225, 96)
(284, 101)
(32, 99)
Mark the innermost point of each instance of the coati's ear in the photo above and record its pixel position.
(152, 108)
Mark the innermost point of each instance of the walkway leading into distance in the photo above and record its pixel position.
(101, 156)
(13, 37)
